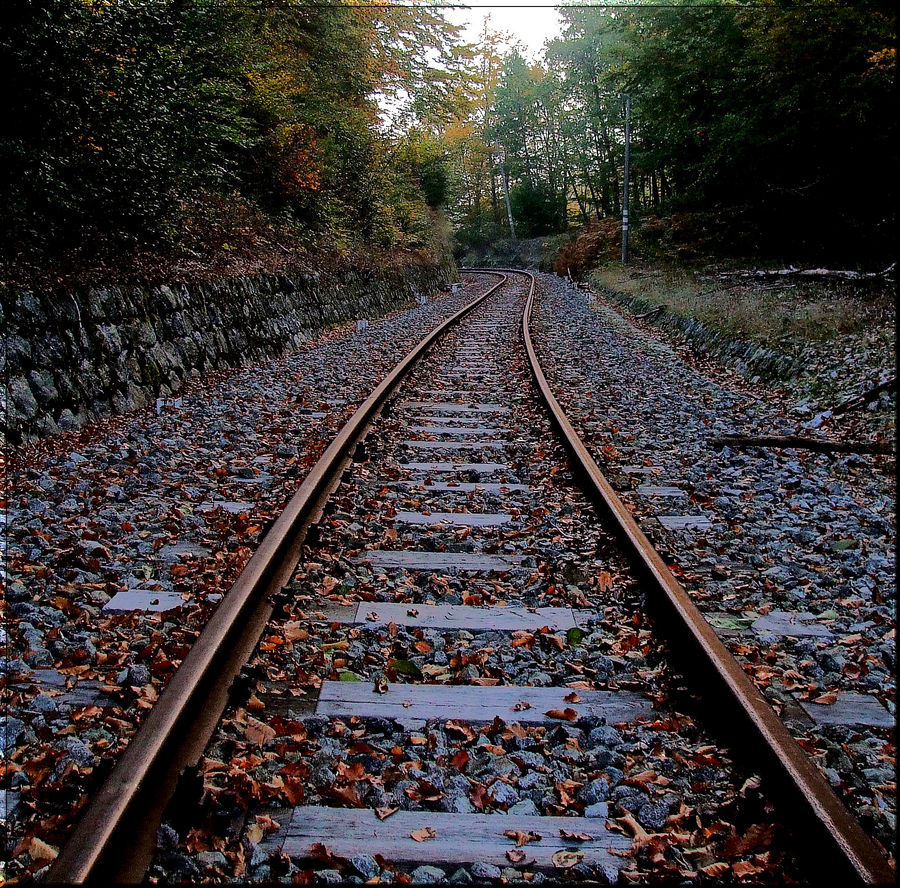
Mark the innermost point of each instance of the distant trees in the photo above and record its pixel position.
(775, 116)
(124, 115)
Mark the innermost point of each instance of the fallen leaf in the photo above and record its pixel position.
(827, 699)
(460, 728)
(521, 706)
(576, 837)
(515, 855)
(715, 870)
(422, 835)
(384, 813)
(749, 784)
(604, 581)
(257, 732)
(460, 760)
(381, 685)
(565, 859)
(40, 850)
(745, 868)
(520, 837)
(567, 714)
(572, 698)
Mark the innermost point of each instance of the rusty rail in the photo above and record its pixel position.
(840, 846)
(114, 839)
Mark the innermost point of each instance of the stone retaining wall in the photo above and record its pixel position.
(748, 358)
(75, 356)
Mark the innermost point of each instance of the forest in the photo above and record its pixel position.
(200, 131)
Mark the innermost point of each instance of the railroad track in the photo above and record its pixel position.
(456, 649)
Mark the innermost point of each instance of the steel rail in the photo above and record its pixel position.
(113, 841)
(840, 845)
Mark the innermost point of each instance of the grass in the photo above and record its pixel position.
(763, 312)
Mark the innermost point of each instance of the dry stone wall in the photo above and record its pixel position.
(72, 357)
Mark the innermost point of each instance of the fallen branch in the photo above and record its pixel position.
(814, 273)
(647, 315)
(821, 445)
(870, 395)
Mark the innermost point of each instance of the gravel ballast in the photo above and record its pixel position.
(789, 553)
(157, 510)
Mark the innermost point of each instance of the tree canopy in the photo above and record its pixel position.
(775, 115)
(353, 125)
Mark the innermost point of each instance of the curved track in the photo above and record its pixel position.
(456, 521)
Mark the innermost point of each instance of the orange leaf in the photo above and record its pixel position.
(520, 837)
(258, 732)
(566, 714)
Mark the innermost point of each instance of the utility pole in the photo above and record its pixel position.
(512, 227)
(627, 175)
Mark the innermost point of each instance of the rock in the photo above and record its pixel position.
(530, 780)
(329, 877)
(604, 736)
(653, 816)
(598, 809)
(485, 870)
(595, 791)
(212, 859)
(427, 875)
(456, 804)
(166, 838)
(502, 794)
(11, 729)
(526, 807)
(365, 865)
(21, 395)
(80, 753)
(43, 703)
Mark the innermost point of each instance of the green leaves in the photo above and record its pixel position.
(404, 667)
(574, 636)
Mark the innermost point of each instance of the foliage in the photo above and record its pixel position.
(129, 111)
(768, 127)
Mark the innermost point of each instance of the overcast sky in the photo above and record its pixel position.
(532, 23)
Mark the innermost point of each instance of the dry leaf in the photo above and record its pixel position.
(257, 732)
(576, 837)
(384, 813)
(827, 699)
(716, 870)
(567, 714)
(520, 837)
(565, 859)
(750, 783)
(604, 581)
(521, 706)
(454, 726)
(40, 850)
(745, 868)
(422, 835)
(460, 760)
(295, 631)
(515, 855)
(572, 698)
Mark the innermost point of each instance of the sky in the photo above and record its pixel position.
(531, 23)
